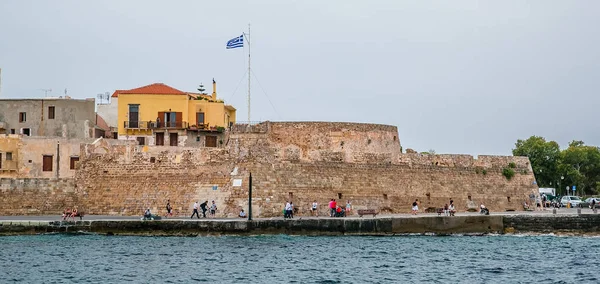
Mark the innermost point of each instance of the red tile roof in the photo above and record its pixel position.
(153, 89)
(101, 123)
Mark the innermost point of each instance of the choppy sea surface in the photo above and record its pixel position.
(297, 259)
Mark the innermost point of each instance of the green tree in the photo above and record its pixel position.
(544, 157)
(580, 165)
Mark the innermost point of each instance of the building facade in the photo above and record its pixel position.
(161, 115)
(49, 117)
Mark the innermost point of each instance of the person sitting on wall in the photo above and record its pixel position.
(242, 214)
(451, 209)
(338, 212)
(484, 210)
(147, 214)
(74, 214)
(67, 214)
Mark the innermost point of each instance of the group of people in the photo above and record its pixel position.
(335, 210)
(68, 213)
(449, 210)
(196, 207)
(204, 207)
(288, 210)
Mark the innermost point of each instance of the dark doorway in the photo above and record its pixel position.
(141, 140)
(160, 139)
(173, 139)
(47, 163)
(26, 132)
(210, 141)
(200, 120)
(134, 116)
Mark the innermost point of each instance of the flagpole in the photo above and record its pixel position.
(248, 73)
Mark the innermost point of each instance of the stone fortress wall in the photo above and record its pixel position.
(297, 161)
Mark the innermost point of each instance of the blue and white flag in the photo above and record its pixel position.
(236, 42)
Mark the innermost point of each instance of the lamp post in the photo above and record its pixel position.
(560, 182)
(250, 198)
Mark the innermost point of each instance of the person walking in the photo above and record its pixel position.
(204, 207)
(348, 208)
(288, 210)
(169, 208)
(195, 210)
(333, 206)
(315, 206)
(213, 209)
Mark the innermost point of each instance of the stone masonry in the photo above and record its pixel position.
(297, 161)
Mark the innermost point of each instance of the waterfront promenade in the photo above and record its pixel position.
(181, 217)
(566, 221)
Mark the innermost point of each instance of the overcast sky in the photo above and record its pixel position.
(462, 77)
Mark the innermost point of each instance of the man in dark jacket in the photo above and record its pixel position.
(203, 207)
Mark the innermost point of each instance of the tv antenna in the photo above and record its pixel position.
(103, 98)
(46, 91)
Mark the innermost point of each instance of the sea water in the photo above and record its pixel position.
(299, 259)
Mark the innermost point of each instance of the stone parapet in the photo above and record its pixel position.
(478, 225)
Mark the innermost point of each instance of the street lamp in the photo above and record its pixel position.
(560, 181)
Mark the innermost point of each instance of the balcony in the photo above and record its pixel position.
(136, 124)
(168, 125)
(155, 125)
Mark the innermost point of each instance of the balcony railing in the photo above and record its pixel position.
(155, 125)
(168, 124)
(136, 124)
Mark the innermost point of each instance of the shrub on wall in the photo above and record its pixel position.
(508, 173)
(484, 172)
(512, 165)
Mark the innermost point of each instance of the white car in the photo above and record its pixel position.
(589, 201)
(574, 200)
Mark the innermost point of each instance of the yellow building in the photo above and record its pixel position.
(158, 114)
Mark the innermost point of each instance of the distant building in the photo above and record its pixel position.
(48, 117)
(158, 114)
(109, 113)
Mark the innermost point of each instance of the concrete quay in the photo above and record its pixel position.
(565, 223)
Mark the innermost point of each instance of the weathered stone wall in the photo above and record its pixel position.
(72, 118)
(28, 152)
(588, 223)
(297, 161)
(37, 196)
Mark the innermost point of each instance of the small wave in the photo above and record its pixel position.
(496, 270)
(328, 281)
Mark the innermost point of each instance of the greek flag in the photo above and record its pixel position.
(236, 42)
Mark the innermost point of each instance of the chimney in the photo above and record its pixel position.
(214, 94)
